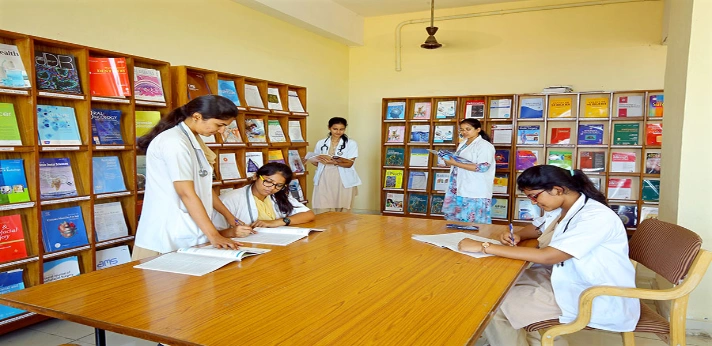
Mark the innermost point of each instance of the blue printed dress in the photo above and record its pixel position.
(458, 208)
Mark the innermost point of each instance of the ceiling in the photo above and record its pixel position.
(372, 8)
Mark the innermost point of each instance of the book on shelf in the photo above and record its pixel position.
(417, 203)
(60, 269)
(436, 204)
(475, 109)
(532, 108)
(13, 183)
(12, 238)
(441, 181)
(502, 134)
(526, 159)
(652, 163)
(560, 158)
(109, 221)
(394, 202)
(294, 103)
(592, 161)
(227, 89)
(626, 133)
(451, 241)
(140, 172)
(198, 261)
(501, 183)
(528, 134)
(449, 155)
(395, 110)
(656, 106)
(106, 126)
(57, 73)
(112, 257)
(394, 156)
(557, 89)
(56, 178)
(393, 179)
(197, 85)
(228, 166)
(63, 229)
(653, 134)
(295, 189)
(446, 110)
(627, 213)
(253, 162)
(275, 156)
(651, 190)
(148, 85)
(275, 132)
(252, 96)
(619, 188)
(109, 77)
(295, 161)
(623, 162)
(232, 133)
(596, 181)
(145, 121)
(208, 139)
(526, 210)
(501, 158)
(648, 213)
(421, 110)
(498, 209)
(9, 129)
(418, 157)
(107, 174)
(417, 180)
(273, 99)
(396, 134)
(295, 131)
(590, 134)
(57, 125)
(12, 70)
(500, 109)
(10, 281)
(443, 134)
(629, 106)
(255, 130)
(596, 107)
(420, 133)
(560, 108)
(560, 135)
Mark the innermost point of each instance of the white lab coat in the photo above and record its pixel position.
(349, 177)
(241, 203)
(476, 184)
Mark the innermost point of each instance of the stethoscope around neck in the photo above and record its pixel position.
(323, 147)
(202, 172)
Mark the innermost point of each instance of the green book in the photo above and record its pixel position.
(394, 157)
(651, 190)
(9, 131)
(626, 134)
(560, 158)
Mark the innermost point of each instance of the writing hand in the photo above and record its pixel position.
(220, 242)
(243, 231)
(505, 238)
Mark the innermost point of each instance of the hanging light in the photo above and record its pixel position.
(431, 42)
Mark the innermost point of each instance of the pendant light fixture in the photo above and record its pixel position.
(431, 42)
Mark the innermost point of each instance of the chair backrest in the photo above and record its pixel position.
(664, 248)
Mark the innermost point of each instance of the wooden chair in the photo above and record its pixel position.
(669, 250)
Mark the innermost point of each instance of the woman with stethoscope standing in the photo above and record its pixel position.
(336, 180)
(179, 197)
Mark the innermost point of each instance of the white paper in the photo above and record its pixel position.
(109, 221)
(450, 241)
(295, 131)
(198, 261)
(112, 256)
(295, 104)
(502, 134)
(275, 102)
(281, 236)
(228, 167)
(252, 96)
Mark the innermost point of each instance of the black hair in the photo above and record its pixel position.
(281, 196)
(333, 121)
(545, 177)
(208, 106)
(477, 125)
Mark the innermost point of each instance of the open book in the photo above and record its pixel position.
(450, 241)
(447, 154)
(198, 261)
(277, 235)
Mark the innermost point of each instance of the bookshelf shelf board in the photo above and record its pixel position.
(11, 91)
(67, 251)
(65, 200)
(53, 95)
(150, 103)
(107, 243)
(64, 148)
(113, 194)
(19, 262)
(112, 148)
(17, 206)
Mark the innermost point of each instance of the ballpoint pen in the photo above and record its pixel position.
(239, 222)
(511, 234)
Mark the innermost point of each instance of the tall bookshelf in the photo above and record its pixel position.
(626, 150)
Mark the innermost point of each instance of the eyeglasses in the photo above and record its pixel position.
(535, 196)
(269, 183)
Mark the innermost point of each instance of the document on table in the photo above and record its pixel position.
(198, 261)
(450, 241)
(281, 236)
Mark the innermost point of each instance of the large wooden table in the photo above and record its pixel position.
(363, 281)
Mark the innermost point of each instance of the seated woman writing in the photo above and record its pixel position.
(265, 202)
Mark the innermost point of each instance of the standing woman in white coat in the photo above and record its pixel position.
(336, 180)
(179, 197)
(469, 194)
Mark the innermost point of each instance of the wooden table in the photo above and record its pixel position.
(363, 281)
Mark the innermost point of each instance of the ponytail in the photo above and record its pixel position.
(169, 121)
(546, 177)
(587, 188)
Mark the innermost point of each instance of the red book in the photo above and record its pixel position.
(109, 77)
(12, 238)
(654, 134)
(560, 135)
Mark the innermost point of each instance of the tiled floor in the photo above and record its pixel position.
(56, 332)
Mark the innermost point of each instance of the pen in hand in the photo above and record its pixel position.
(511, 234)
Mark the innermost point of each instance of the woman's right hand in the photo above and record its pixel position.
(505, 238)
(220, 242)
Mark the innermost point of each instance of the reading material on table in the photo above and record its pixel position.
(277, 235)
(450, 241)
(198, 261)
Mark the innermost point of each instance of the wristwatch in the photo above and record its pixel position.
(287, 221)
(485, 245)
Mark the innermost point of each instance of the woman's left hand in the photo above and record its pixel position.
(469, 245)
(268, 223)
(449, 162)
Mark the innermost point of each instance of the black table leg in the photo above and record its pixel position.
(99, 337)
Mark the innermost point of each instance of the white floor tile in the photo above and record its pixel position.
(27, 336)
(115, 339)
(63, 328)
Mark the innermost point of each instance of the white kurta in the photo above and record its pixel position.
(476, 184)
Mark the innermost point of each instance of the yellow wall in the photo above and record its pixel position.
(612, 47)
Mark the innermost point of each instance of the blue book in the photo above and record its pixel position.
(436, 204)
(417, 180)
(501, 158)
(57, 125)
(627, 213)
(10, 281)
(590, 134)
(108, 176)
(396, 110)
(106, 126)
(63, 229)
(417, 203)
(532, 108)
(226, 88)
(13, 185)
(56, 178)
(60, 269)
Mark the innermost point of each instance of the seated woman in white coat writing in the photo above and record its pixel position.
(265, 202)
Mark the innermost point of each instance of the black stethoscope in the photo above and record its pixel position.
(202, 171)
(339, 152)
(585, 200)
